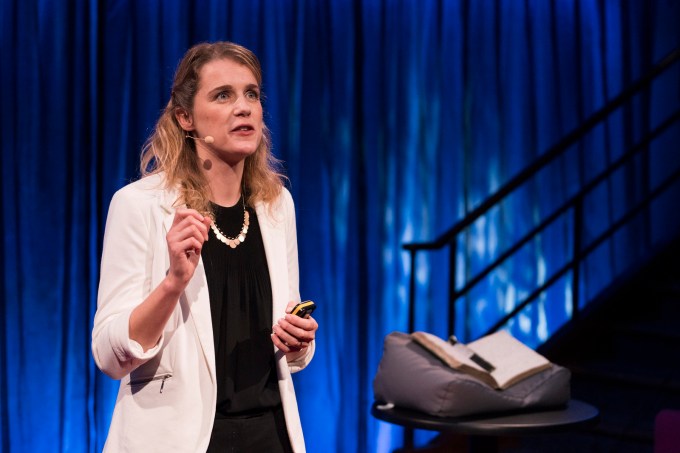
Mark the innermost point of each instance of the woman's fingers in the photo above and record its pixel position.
(302, 328)
(288, 338)
(281, 345)
(190, 222)
(292, 333)
(185, 240)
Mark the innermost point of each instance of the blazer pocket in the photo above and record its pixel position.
(149, 383)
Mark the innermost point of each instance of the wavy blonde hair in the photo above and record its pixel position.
(169, 150)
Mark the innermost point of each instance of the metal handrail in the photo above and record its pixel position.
(667, 183)
(449, 238)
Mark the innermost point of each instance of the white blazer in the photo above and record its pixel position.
(167, 396)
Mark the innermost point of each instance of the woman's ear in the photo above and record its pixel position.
(184, 119)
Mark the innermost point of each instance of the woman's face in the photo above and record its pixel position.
(227, 107)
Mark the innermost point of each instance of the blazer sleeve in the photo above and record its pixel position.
(125, 280)
(294, 273)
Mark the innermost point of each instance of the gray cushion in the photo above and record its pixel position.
(411, 377)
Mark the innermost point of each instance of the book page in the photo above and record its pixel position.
(457, 356)
(512, 359)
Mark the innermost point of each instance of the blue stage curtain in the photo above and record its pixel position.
(394, 118)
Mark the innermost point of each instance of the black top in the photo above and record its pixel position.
(241, 307)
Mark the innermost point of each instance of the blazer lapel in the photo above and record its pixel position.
(274, 239)
(196, 298)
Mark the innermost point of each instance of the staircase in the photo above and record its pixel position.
(625, 359)
(624, 355)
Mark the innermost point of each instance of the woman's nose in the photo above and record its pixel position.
(241, 107)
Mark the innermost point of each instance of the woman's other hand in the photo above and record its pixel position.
(292, 334)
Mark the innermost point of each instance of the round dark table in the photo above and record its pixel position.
(484, 429)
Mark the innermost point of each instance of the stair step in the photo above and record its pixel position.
(656, 331)
(590, 440)
(624, 355)
(626, 412)
(600, 372)
(655, 355)
(629, 435)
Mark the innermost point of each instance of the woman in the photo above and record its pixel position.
(199, 259)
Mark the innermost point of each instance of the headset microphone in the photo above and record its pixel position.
(208, 138)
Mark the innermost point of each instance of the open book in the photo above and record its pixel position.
(499, 359)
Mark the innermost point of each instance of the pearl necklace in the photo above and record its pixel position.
(241, 237)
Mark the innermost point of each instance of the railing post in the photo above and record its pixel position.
(453, 252)
(576, 259)
(412, 293)
(408, 432)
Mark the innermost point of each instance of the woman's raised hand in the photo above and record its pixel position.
(185, 240)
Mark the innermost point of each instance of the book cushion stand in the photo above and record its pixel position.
(411, 377)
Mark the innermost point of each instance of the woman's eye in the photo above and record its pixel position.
(222, 96)
(253, 95)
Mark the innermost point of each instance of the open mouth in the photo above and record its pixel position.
(243, 128)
